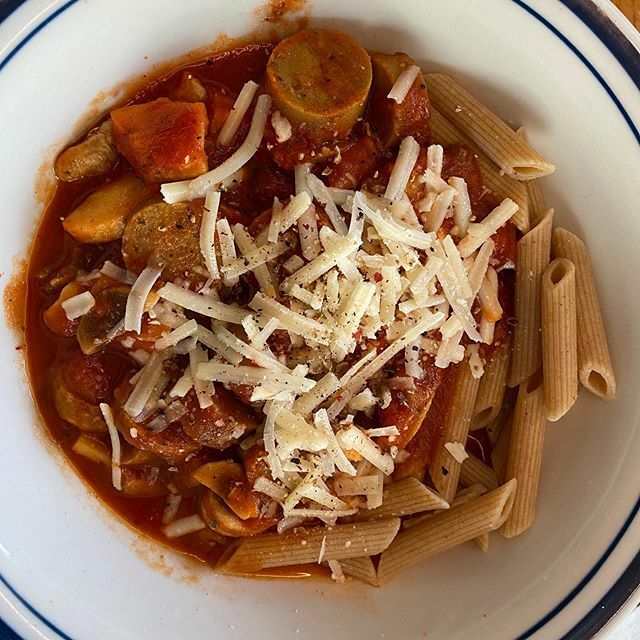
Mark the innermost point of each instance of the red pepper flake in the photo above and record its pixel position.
(357, 335)
(377, 276)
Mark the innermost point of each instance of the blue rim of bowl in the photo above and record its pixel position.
(629, 58)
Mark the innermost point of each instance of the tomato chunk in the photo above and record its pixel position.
(163, 140)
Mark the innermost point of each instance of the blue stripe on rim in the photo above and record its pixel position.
(628, 57)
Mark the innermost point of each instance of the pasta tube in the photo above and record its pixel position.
(445, 469)
(474, 471)
(405, 497)
(361, 568)
(594, 361)
(533, 252)
(492, 387)
(501, 143)
(559, 339)
(502, 185)
(446, 530)
(309, 545)
(525, 455)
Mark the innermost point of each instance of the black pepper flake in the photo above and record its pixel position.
(445, 471)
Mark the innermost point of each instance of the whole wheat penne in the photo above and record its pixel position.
(499, 141)
(559, 338)
(482, 541)
(474, 471)
(595, 369)
(405, 497)
(502, 185)
(446, 530)
(445, 469)
(492, 387)
(525, 455)
(500, 450)
(537, 207)
(495, 427)
(300, 546)
(535, 200)
(361, 568)
(532, 257)
(464, 495)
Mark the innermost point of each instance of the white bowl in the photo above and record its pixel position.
(69, 569)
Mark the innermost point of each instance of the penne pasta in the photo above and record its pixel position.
(463, 496)
(533, 253)
(501, 143)
(537, 207)
(405, 497)
(595, 369)
(502, 185)
(492, 387)
(535, 201)
(500, 450)
(300, 546)
(361, 568)
(559, 338)
(474, 471)
(445, 469)
(446, 530)
(495, 427)
(482, 541)
(524, 459)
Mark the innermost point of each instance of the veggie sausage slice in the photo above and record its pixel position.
(391, 120)
(320, 80)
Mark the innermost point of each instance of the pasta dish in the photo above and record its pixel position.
(303, 304)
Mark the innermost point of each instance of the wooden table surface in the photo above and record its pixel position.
(631, 8)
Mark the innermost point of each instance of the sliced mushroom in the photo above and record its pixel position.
(222, 520)
(228, 481)
(92, 449)
(94, 156)
(190, 89)
(55, 316)
(96, 327)
(103, 215)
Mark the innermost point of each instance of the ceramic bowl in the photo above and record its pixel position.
(565, 68)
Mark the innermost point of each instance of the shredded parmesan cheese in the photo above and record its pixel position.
(138, 296)
(240, 107)
(207, 232)
(403, 84)
(78, 305)
(116, 472)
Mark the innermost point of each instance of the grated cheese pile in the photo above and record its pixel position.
(377, 282)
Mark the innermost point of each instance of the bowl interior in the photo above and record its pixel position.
(64, 553)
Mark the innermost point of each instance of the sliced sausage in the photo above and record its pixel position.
(94, 156)
(408, 407)
(393, 121)
(79, 385)
(220, 425)
(168, 234)
(103, 215)
(163, 140)
(320, 79)
(171, 443)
